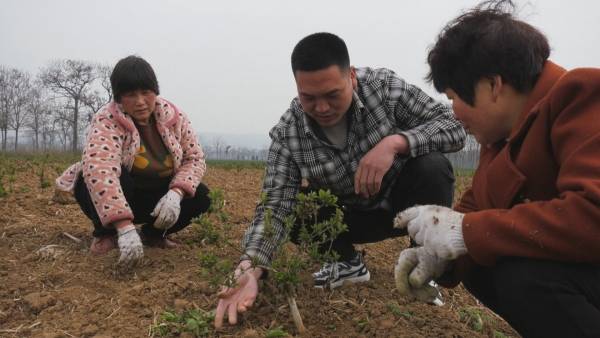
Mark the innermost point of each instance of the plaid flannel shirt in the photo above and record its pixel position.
(383, 104)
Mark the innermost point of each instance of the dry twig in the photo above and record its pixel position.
(75, 239)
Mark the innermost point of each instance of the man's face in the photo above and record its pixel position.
(485, 119)
(326, 94)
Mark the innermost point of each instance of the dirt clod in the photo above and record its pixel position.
(37, 301)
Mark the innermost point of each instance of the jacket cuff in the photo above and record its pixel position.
(416, 142)
(109, 220)
(475, 239)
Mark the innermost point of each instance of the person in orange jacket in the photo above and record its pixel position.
(524, 239)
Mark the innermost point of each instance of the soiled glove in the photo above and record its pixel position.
(413, 272)
(167, 210)
(130, 246)
(438, 229)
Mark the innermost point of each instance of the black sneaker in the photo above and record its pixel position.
(337, 274)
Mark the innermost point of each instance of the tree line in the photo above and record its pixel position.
(55, 105)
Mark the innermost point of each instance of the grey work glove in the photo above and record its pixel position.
(438, 229)
(130, 246)
(413, 272)
(167, 210)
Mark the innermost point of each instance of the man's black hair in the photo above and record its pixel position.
(132, 73)
(486, 41)
(319, 51)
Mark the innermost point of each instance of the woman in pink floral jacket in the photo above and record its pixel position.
(142, 163)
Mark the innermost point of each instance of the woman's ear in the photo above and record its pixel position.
(496, 84)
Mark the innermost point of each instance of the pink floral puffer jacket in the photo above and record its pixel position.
(113, 141)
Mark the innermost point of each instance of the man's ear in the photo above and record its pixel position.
(353, 77)
(496, 84)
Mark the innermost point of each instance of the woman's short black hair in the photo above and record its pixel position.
(319, 51)
(486, 41)
(132, 73)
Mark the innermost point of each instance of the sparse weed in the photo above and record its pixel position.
(211, 225)
(196, 322)
(276, 333)
(362, 324)
(476, 318)
(3, 191)
(397, 311)
(216, 270)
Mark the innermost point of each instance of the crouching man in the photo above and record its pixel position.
(366, 135)
(525, 238)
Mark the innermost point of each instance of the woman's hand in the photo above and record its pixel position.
(130, 246)
(167, 210)
(241, 297)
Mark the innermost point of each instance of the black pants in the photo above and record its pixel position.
(427, 179)
(142, 202)
(540, 298)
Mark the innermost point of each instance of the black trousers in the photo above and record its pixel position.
(540, 298)
(142, 202)
(426, 179)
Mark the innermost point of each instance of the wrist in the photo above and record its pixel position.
(122, 224)
(125, 229)
(398, 143)
(246, 266)
(178, 191)
(456, 234)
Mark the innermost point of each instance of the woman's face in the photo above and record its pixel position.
(139, 104)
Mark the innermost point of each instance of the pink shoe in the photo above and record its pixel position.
(102, 245)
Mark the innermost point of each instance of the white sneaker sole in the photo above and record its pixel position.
(437, 302)
(360, 279)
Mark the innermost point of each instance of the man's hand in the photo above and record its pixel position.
(413, 272)
(130, 246)
(438, 229)
(239, 298)
(167, 210)
(373, 166)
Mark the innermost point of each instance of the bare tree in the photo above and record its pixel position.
(40, 120)
(16, 92)
(63, 126)
(102, 95)
(218, 146)
(4, 105)
(71, 80)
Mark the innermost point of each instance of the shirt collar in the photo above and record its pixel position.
(550, 74)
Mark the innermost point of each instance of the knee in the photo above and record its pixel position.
(433, 166)
(201, 198)
(521, 284)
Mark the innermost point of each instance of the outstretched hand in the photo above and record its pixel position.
(234, 300)
(130, 246)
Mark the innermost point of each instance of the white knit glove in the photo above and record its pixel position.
(413, 272)
(438, 229)
(130, 246)
(167, 210)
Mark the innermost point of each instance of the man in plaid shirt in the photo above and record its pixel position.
(366, 135)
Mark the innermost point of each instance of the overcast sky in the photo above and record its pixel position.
(226, 63)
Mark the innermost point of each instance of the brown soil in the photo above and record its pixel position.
(50, 286)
